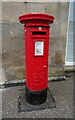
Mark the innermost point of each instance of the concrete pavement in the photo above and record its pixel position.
(62, 92)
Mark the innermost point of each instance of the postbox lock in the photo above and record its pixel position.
(39, 28)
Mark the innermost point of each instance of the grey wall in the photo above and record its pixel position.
(12, 37)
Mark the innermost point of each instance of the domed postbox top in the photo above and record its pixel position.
(36, 16)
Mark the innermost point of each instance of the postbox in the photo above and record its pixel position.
(36, 40)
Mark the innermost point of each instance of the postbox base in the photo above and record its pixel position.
(36, 98)
(24, 106)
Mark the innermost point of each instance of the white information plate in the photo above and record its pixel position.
(39, 47)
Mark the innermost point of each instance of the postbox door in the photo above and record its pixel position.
(37, 60)
(41, 64)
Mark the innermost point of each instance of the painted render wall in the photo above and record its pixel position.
(12, 37)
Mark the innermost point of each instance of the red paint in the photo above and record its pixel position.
(36, 65)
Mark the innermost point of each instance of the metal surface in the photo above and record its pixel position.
(36, 47)
(36, 16)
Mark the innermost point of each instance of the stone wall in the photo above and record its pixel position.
(12, 37)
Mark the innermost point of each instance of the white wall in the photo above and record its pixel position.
(70, 46)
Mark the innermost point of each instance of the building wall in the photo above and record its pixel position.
(70, 49)
(12, 36)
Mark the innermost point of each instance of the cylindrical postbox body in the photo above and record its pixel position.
(36, 29)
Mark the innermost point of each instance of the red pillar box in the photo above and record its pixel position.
(36, 36)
